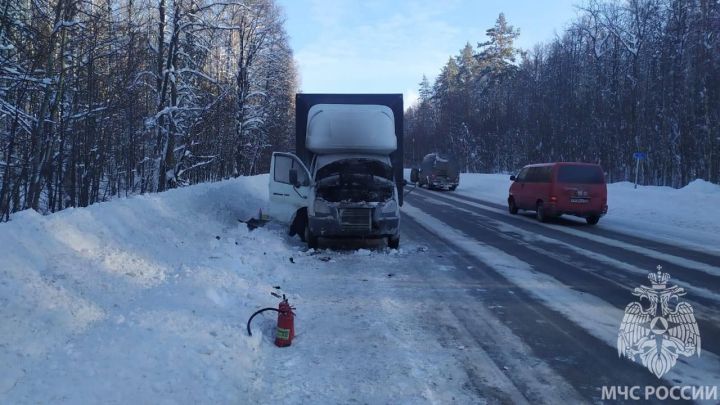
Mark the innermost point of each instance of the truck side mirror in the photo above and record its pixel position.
(512, 178)
(293, 175)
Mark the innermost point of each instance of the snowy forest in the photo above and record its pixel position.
(115, 97)
(624, 77)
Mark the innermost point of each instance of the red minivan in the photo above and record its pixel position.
(553, 189)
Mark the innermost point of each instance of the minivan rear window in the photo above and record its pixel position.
(542, 174)
(580, 174)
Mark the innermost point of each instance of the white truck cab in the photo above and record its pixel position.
(347, 185)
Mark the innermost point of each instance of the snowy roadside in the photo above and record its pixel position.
(689, 216)
(145, 299)
(145, 293)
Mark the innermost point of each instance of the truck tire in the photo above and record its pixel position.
(299, 223)
(592, 220)
(310, 239)
(453, 188)
(393, 242)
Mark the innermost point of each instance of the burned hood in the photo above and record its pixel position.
(355, 166)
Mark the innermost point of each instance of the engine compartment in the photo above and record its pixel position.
(355, 180)
(355, 188)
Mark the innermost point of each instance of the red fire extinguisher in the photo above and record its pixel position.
(285, 325)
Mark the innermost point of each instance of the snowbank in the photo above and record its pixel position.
(128, 300)
(690, 214)
(145, 299)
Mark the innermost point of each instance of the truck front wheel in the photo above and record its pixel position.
(310, 239)
(393, 242)
(299, 223)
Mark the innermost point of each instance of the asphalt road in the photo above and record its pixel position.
(528, 328)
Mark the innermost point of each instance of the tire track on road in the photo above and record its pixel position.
(556, 277)
(579, 357)
(679, 249)
(694, 272)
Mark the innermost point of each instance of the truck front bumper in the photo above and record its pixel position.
(354, 223)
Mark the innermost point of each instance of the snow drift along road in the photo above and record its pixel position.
(136, 298)
(689, 215)
(145, 299)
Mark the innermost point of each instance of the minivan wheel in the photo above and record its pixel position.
(592, 220)
(312, 240)
(540, 212)
(512, 208)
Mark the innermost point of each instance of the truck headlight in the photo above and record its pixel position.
(321, 207)
(389, 208)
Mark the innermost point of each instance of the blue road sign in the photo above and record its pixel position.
(639, 155)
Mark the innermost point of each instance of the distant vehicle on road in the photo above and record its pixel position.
(436, 172)
(554, 189)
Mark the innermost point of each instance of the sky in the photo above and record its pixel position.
(385, 46)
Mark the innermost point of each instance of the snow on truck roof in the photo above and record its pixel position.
(348, 128)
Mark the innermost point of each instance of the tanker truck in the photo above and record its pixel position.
(345, 179)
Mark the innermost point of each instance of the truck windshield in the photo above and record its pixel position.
(344, 167)
(580, 174)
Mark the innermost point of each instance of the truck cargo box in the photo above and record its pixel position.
(347, 128)
(304, 102)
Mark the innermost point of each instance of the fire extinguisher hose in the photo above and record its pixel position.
(259, 311)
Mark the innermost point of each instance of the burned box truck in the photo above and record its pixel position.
(345, 179)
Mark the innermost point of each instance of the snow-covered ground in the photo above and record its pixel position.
(145, 299)
(690, 215)
(129, 301)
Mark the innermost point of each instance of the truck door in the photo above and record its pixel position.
(285, 197)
